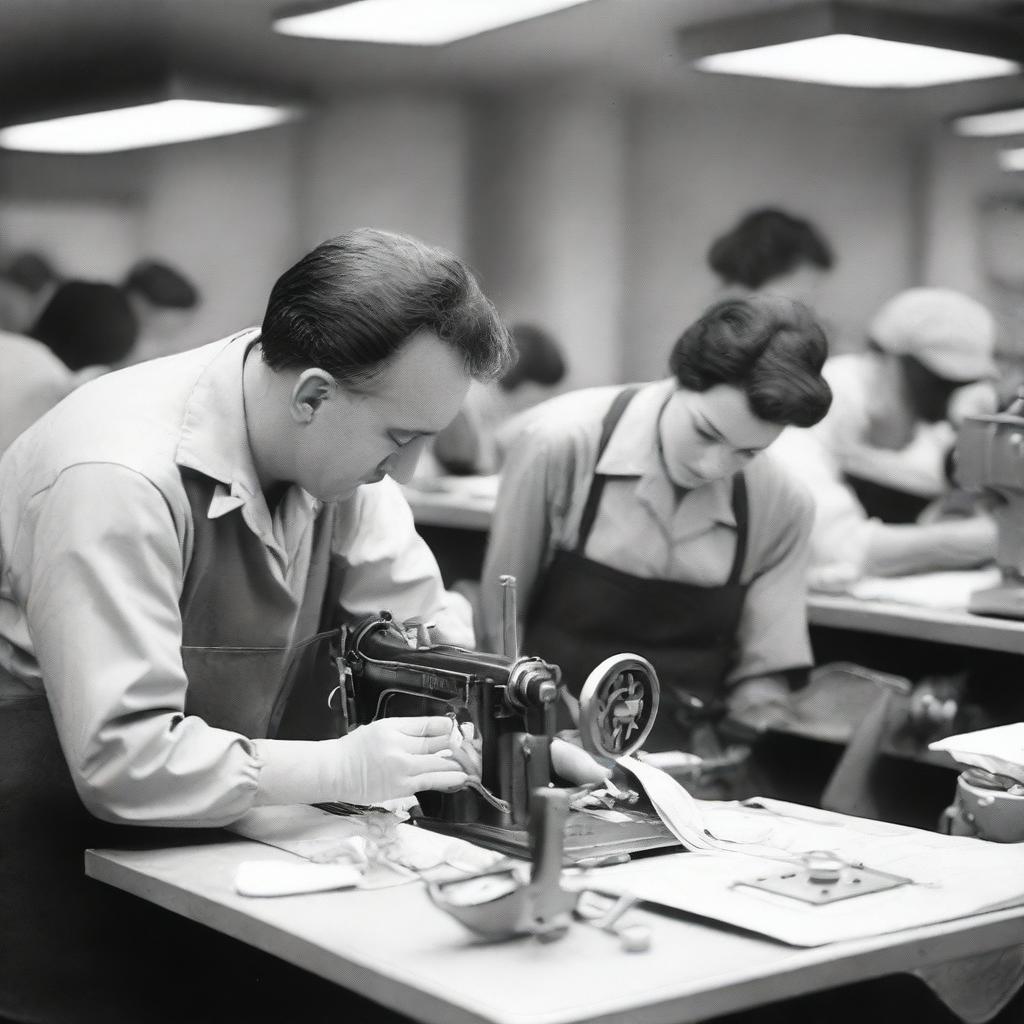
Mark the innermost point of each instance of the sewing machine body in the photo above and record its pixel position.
(511, 705)
(990, 457)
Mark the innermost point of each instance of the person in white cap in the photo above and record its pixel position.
(879, 458)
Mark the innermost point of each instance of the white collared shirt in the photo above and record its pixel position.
(825, 453)
(641, 528)
(95, 539)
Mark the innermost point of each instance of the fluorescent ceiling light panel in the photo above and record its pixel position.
(859, 62)
(1012, 159)
(413, 22)
(991, 122)
(147, 124)
(854, 44)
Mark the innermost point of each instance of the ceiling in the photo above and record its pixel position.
(49, 47)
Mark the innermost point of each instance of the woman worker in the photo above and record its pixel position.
(647, 519)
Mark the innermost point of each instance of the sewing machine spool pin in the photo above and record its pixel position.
(509, 617)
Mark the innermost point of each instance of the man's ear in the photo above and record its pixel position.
(312, 388)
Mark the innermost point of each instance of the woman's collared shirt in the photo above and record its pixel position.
(642, 526)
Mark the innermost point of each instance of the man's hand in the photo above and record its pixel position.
(573, 763)
(762, 704)
(396, 757)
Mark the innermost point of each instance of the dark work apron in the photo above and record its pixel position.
(886, 503)
(585, 611)
(76, 950)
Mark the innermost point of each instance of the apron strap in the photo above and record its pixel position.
(740, 508)
(597, 481)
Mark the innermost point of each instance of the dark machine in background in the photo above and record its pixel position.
(990, 458)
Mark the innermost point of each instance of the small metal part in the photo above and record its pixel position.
(509, 617)
(595, 909)
(496, 802)
(824, 878)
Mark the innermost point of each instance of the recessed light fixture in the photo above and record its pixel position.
(853, 44)
(1012, 159)
(409, 22)
(153, 115)
(987, 123)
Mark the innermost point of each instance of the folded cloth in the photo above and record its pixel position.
(976, 988)
(280, 878)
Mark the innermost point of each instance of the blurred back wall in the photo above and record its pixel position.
(583, 207)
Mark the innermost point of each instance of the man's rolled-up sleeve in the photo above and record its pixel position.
(388, 566)
(102, 601)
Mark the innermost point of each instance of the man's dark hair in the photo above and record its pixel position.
(87, 323)
(766, 244)
(30, 271)
(349, 306)
(540, 359)
(161, 285)
(769, 347)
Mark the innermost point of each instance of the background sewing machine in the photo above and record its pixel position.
(510, 701)
(990, 457)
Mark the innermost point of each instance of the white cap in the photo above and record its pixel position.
(949, 333)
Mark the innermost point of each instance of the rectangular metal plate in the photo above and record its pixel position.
(796, 883)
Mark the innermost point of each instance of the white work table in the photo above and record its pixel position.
(943, 626)
(394, 946)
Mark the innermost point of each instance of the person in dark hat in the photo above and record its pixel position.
(87, 323)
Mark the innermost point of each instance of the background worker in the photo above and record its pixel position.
(648, 518)
(470, 444)
(27, 280)
(772, 251)
(178, 539)
(83, 327)
(88, 325)
(880, 457)
(164, 302)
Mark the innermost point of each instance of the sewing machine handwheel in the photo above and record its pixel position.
(618, 706)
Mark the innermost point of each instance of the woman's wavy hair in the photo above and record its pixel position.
(768, 346)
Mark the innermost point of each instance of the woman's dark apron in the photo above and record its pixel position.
(72, 949)
(585, 611)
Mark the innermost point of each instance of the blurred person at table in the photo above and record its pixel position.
(85, 327)
(880, 460)
(27, 280)
(770, 250)
(164, 302)
(471, 443)
(651, 519)
(88, 325)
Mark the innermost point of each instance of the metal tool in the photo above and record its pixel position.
(501, 905)
(606, 912)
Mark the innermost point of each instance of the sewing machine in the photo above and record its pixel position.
(509, 700)
(990, 457)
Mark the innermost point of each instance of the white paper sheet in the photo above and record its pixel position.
(953, 876)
